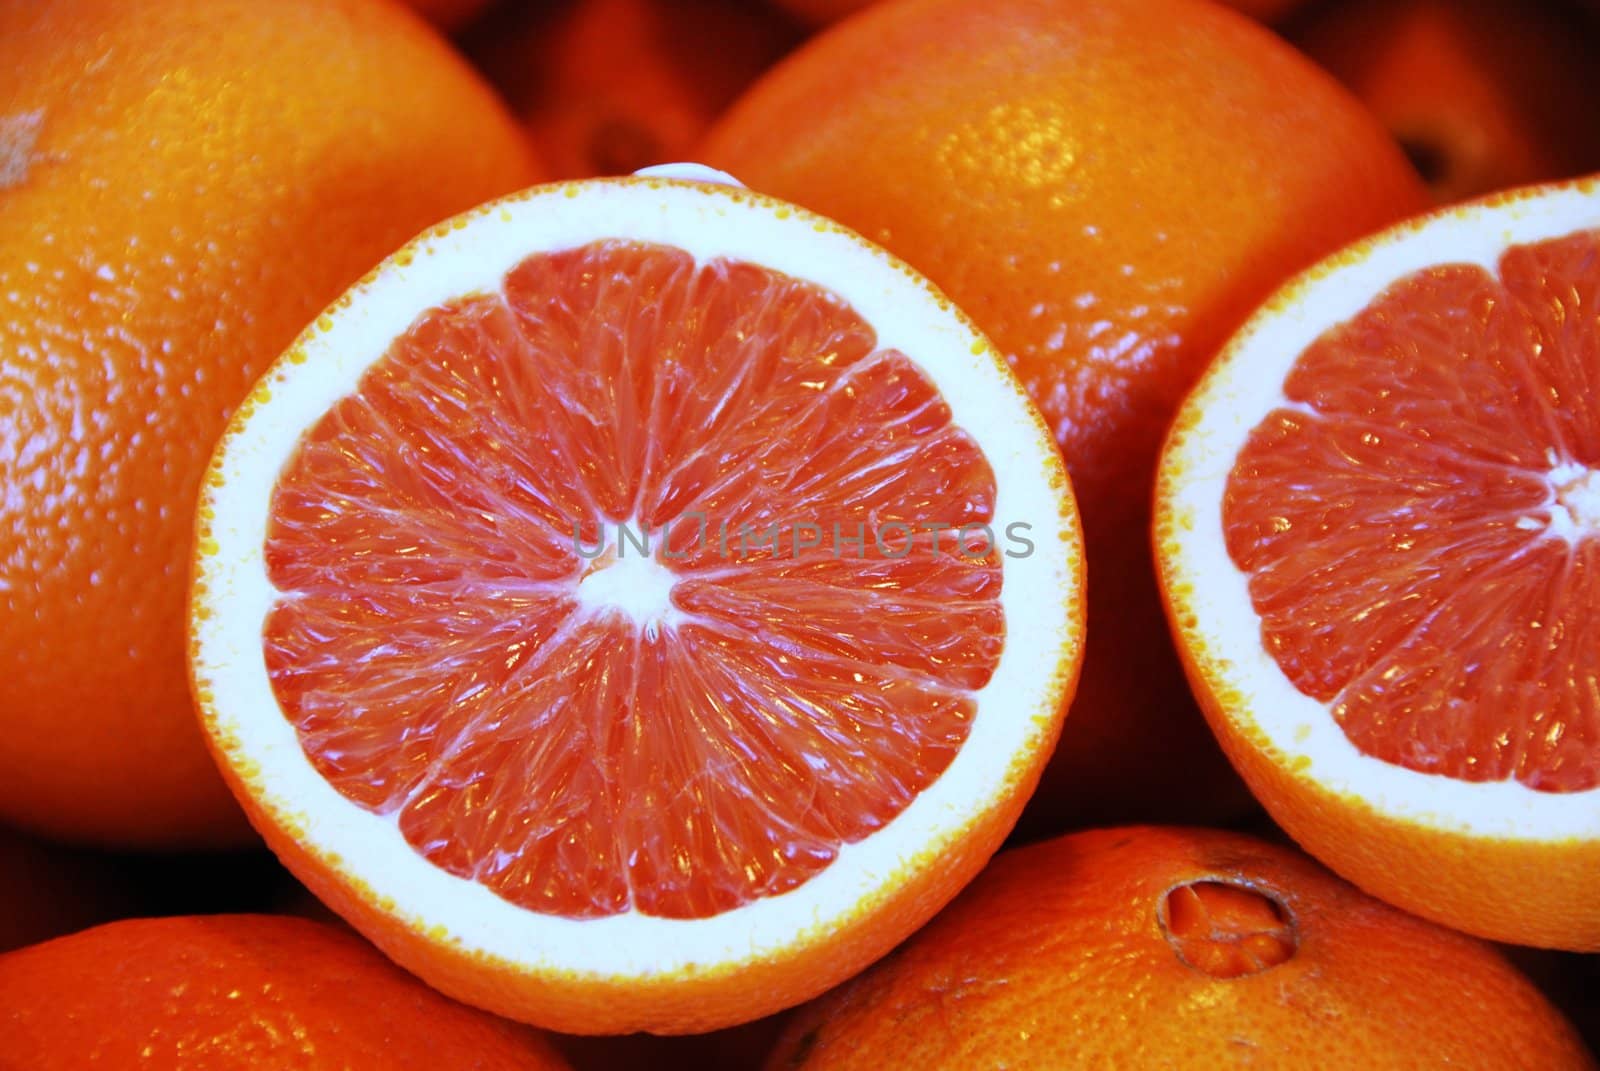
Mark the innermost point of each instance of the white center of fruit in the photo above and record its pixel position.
(1577, 507)
(630, 580)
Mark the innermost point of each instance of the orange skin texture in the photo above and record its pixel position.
(182, 186)
(1058, 958)
(1523, 892)
(1484, 89)
(1081, 182)
(235, 992)
(609, 86)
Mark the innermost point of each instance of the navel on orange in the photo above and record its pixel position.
(1146, 947)
(639, 604)
(1378, 526)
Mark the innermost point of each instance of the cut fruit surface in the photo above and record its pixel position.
(1379, 548)
(637, 605)
(530, 716)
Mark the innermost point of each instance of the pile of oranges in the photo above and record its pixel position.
(1117, 199)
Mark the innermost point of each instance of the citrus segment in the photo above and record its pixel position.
(1399, 522)
(602, 605)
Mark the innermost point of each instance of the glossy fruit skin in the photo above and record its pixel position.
(187, 184)
(234, 992)
(1080, 181)
(1483, 92)
(1057, 959)
(610, 86)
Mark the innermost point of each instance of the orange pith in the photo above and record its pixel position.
(1419, 524)
(453, 651)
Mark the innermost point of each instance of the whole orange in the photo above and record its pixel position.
(183, 184)
(1107, 187)
(609, 86)
(1480, 92)
(1179, 948)
(237, 992)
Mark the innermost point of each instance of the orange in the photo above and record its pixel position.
(609, 86)
(232, 992)
(1378, 525)
(637, 605)
(181, 186)
(1079, 179)
(1481, 93)
(1179, 948)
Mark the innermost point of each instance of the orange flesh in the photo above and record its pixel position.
(1226, 930)
(429, 537)
(1421, 531)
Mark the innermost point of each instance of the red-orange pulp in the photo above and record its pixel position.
(1420, 523)
(451, 652)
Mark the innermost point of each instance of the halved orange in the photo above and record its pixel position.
(638, 604)
(1378, 528)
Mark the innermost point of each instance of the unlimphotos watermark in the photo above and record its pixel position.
(695, 535)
